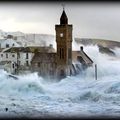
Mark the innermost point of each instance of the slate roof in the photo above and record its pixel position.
(30, 49)
(81, 53)
(4, 62)
(44, 57)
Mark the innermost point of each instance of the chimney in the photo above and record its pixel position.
(81, 48)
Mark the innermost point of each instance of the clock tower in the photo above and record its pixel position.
(64, 44)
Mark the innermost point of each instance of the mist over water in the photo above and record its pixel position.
(74, 96)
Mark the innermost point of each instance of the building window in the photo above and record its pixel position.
(6, 55)
(26, 55)
(18, 55)
(7, 45)
(60, 53)
(69, 53)
(27, 63)
(1, 55)
(13, 66)
(13, 55)
(13, 44)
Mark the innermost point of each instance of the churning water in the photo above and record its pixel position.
(76, 96)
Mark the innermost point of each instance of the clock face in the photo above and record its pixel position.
(61, 34)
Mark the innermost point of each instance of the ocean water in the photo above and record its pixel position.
(75, 96)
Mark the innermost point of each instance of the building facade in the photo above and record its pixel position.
(60, 64)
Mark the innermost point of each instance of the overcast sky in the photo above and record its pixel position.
(90, 20)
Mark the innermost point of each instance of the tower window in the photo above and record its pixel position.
(1, 55)
(62, 53)
(69, 53)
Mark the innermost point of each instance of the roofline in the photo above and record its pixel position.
(88, 57)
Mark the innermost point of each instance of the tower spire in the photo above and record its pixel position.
(63, 18)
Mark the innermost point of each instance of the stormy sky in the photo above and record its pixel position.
(90, 20)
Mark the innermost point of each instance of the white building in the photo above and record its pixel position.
(22, 56)
(7, 43)
(7, 56)
(8, 60)
(25, 58)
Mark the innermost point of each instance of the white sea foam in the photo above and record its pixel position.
(75, 96)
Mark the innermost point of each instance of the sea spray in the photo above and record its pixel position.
(77, 96)
(25, 83)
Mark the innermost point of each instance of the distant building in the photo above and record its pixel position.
(6, 44)
(9, 42)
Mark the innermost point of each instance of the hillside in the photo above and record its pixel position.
(31, 39)
(100, 42)
(45, 39)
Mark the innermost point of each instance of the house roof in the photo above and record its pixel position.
(31, 49)
(44, 57)
(4, 62)
(9, 39)
(82, 54)
(86, 58)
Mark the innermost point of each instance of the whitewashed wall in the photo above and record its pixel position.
(11, 56)
(23, 58)
(10, 42)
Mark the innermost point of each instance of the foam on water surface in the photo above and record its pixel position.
(78, 96)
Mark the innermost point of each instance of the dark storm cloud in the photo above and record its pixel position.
(94, 20)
